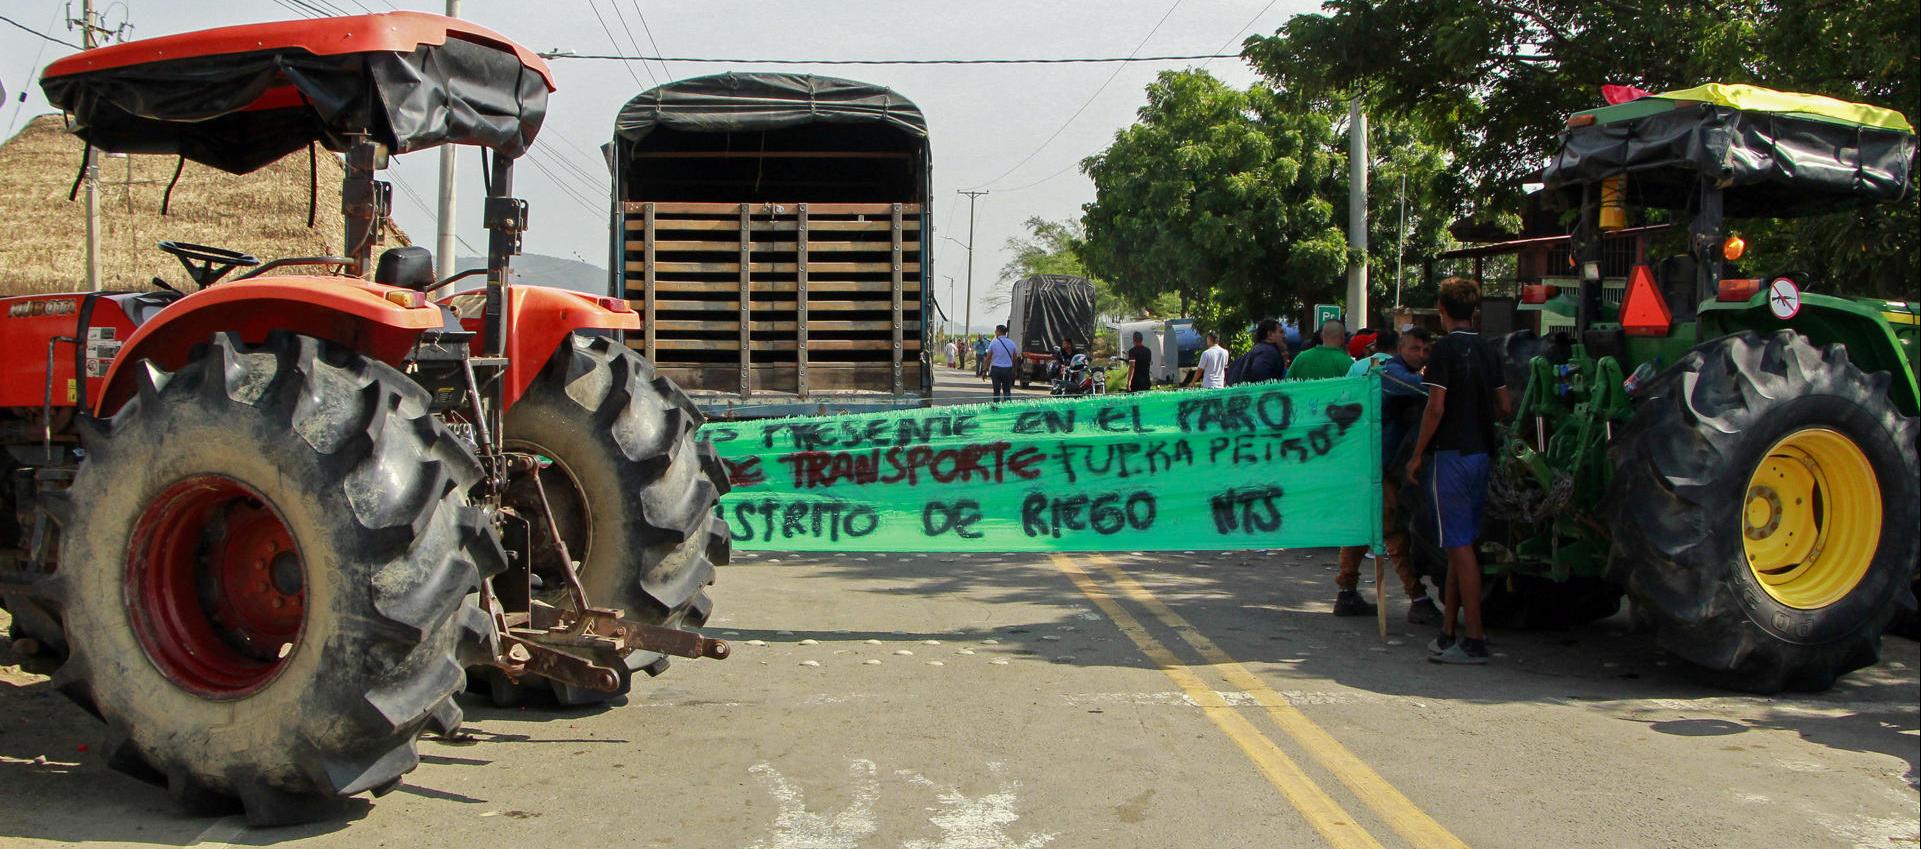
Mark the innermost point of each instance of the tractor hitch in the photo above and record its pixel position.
(585, 648)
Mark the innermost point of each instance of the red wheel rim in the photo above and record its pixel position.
(216, 589)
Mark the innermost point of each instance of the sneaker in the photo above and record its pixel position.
(1350, 603)
(1465, 652)
(1440, 643)
(1423, 611)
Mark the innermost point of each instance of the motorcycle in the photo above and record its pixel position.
(1078, 378)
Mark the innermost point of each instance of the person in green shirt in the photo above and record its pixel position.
(1328, 359)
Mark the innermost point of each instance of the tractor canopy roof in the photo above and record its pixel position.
(238, 98)
(1775, 154)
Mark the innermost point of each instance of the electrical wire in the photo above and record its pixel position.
(714, 60)
(622, 18)
(1090, 98)
(32, 73)
(1244, 28)
(650, 38)
(625, 62)
(36, 33)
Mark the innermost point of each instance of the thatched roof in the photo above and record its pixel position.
(45, 249)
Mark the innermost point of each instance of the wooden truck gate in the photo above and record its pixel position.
(811, 301)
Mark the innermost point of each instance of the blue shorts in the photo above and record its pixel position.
(1457, 492)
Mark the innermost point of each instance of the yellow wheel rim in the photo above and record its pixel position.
(1811, 519)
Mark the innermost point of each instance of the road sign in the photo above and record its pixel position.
(1784, 298)
(1324, 313)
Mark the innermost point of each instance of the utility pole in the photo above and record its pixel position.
(1357, 214)
(90, 31)
(444, 264)
(968, 327)
(1400, 250)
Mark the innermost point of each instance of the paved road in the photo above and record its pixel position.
(1023, 701)
(942, 702)
(960, 386)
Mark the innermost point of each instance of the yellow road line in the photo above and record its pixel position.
(1321, 811)
(1400, 813)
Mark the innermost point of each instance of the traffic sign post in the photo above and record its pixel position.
(1324, 313)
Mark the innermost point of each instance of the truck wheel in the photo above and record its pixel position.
(266, 566)
(632, 492)
(1764, 511)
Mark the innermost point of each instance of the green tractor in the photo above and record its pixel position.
(1736, 453)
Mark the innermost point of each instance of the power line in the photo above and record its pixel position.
(36, 33)
(625, 62)
(622, 18)
(712, 60)
(1244, 28)
(1090, 98)
(32, 73)
(650, 38)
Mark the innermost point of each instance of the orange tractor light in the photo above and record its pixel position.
(406, 298)
(1733, 248)
(1737, 290)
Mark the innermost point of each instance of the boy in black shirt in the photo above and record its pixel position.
(1467, 394)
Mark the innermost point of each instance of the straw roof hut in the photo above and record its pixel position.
(263, 213)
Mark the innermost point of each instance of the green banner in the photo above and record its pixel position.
(1268, 465)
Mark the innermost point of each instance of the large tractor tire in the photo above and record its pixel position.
(630, 488)
(1764, 511)
(268, 556)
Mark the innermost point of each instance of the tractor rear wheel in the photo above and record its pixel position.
(266, 569)
(631, 489)
(1764, 511)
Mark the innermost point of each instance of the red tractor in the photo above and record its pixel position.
(269, 525)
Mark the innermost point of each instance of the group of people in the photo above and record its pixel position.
(1441, 399)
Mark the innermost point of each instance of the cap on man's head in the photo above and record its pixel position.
(1357, 346)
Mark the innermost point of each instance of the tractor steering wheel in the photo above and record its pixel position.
(214, 263)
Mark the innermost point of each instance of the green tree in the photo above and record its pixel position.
(1496, 80)
(1055, 247)
(1222, 196)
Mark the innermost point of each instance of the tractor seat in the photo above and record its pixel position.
(409, 267)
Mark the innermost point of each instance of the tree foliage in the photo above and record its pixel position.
(1055, 247)
(1222, 196)
(1494, 80)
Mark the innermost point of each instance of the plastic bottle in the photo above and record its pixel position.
(1640, 376)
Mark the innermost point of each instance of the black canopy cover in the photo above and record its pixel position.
(239, 110)
(731, 102)
(1768, 164)
(1058, 308)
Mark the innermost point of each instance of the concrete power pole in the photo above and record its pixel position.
(88, 38)
(968, 326)
(1357, 214)
(444, 264)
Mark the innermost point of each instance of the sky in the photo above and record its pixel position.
(983, 119)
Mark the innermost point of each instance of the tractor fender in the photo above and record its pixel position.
(347, 311)
(1865, 327)
(539, 319)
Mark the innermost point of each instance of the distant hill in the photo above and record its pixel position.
(546, 271)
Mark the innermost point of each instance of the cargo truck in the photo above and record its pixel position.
(1044, 311)
(769, 230)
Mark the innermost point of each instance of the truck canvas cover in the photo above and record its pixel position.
(728, 103)
(1774, 154)
(238, 98)
(1052, 308)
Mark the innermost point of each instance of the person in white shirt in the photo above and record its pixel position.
(1213, 363)
(952, 352)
